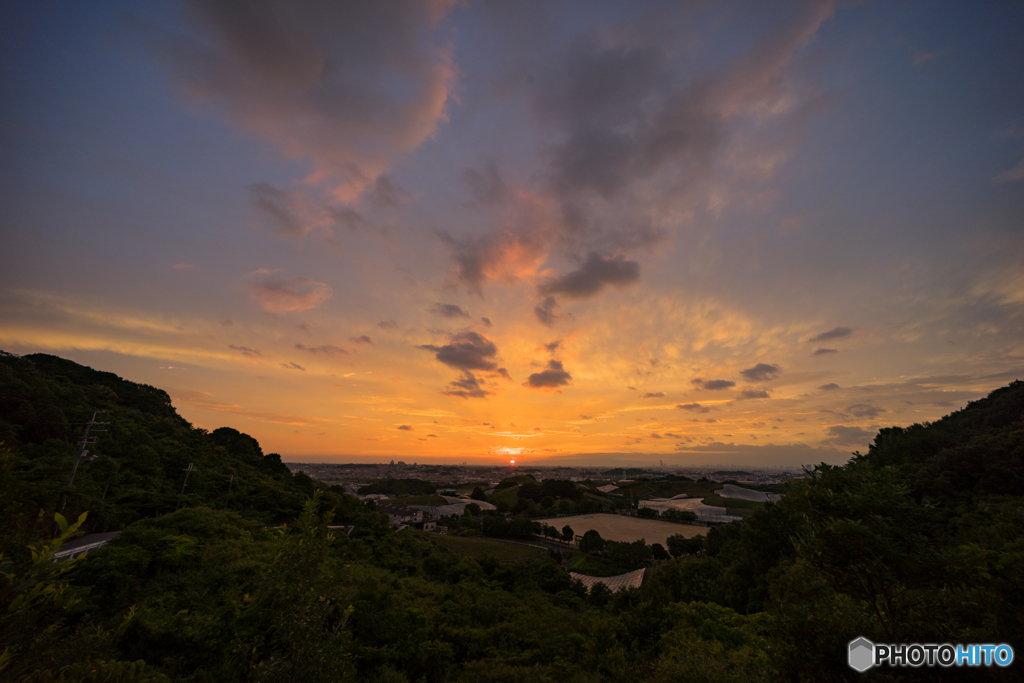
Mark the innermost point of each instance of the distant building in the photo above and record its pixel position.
(399, 514)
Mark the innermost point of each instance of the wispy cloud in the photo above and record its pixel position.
(449, 311)
(346, 87)
(834, 333)
(289, 295)
(325, 349)
(246, 351)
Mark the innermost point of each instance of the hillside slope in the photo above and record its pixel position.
(140, 458)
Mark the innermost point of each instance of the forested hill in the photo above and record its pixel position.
(138, 471)
(977, 450)
(919, 540)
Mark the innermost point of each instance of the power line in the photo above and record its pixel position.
(86, 440)
(188, 471)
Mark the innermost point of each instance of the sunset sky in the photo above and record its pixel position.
(704, 233)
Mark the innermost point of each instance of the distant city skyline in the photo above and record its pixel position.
(747, 233)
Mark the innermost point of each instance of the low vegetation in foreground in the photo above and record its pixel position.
(921, 539)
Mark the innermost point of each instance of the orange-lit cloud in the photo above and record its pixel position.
(289, 295)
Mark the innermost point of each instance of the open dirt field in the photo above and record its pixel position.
(621, 528)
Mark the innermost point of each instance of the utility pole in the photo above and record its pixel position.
(188, 470)
(82, 453)
(230, 481)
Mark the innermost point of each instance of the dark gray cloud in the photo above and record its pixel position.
(276, 205)
(545, 312)
(348, 218)
(553, 346)
(449, 311)
(467, 386)
(761, 372)
(634, 125)
(592, 276)
(486, 321)
(864, 410)
(752, 392)
(554, 376)
(405, 428)
(246, 351)
(326, 349)
(347, 87)
(659, 394)
(822, 352)
(468, 351)
(386, 194)
(712, 384)
(834, 333)
(362, 339)
(625, 115)
(841, 435)
(831, 386)
(292, 366)
(387, 325)
(693, 407)
(486, 185)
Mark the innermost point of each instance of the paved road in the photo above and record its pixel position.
(84, 544)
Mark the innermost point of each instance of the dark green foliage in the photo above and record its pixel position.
(515, 480)
(680, 545)
(496, 525)
(549, 488)
(138, 469)
(592, 542)
(628, 555)
(478, 494)
(98, 671)
(922, 539)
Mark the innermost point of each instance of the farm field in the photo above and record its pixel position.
(622, 528)
(479, 547)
